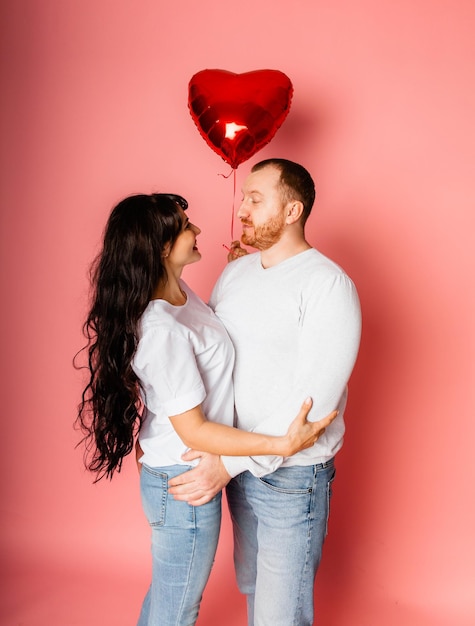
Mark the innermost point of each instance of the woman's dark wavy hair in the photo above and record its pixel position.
(123, 278)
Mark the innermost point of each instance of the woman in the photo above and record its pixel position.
(161, 365)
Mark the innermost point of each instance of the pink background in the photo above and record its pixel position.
(94, 107)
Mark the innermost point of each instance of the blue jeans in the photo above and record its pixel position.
(184, 541)
(280, 523)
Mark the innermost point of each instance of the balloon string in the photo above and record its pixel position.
(234, 201)
(233, 171)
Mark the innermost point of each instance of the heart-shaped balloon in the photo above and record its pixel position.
(238, 114)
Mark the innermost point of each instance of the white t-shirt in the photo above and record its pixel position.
(296, 331)
(184, 358)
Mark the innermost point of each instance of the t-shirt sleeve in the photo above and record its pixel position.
(166, 364)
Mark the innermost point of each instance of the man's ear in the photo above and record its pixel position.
(294, 210)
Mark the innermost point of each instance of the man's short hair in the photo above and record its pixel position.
(296, 182)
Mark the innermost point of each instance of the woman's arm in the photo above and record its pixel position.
(200, 434)
(138, 455)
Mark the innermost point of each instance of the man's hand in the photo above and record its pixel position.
(235, 251)
(200, 484)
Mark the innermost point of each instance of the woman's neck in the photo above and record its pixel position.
(171, 292)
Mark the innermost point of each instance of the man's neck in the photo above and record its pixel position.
(283, 250)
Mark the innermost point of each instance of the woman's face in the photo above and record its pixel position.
(185, 250)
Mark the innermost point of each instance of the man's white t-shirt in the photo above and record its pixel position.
(296, 330)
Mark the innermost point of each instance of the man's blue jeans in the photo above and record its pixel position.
(184, 541)
(280, 523)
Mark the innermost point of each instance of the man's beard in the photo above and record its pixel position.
(265, 235)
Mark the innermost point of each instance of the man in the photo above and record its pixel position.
(294, 318)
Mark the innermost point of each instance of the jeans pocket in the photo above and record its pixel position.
(154, 490)
(295, 480)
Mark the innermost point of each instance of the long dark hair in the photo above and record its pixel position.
(123, 278)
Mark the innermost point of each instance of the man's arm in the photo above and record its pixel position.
(200, 484)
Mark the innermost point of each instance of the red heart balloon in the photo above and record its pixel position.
(238, 114)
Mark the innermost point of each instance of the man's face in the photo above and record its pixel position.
(262, 209)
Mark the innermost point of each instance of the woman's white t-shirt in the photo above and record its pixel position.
(184, 358)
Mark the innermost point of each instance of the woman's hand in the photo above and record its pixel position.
(304, 434)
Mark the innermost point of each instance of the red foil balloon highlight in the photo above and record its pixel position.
(238, 114)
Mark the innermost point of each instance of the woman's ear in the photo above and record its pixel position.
(294, 211)
(166, 251)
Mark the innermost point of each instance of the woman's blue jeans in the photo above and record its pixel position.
(280, 523)
(184, 541)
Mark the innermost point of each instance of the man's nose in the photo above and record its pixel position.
(242, 212)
